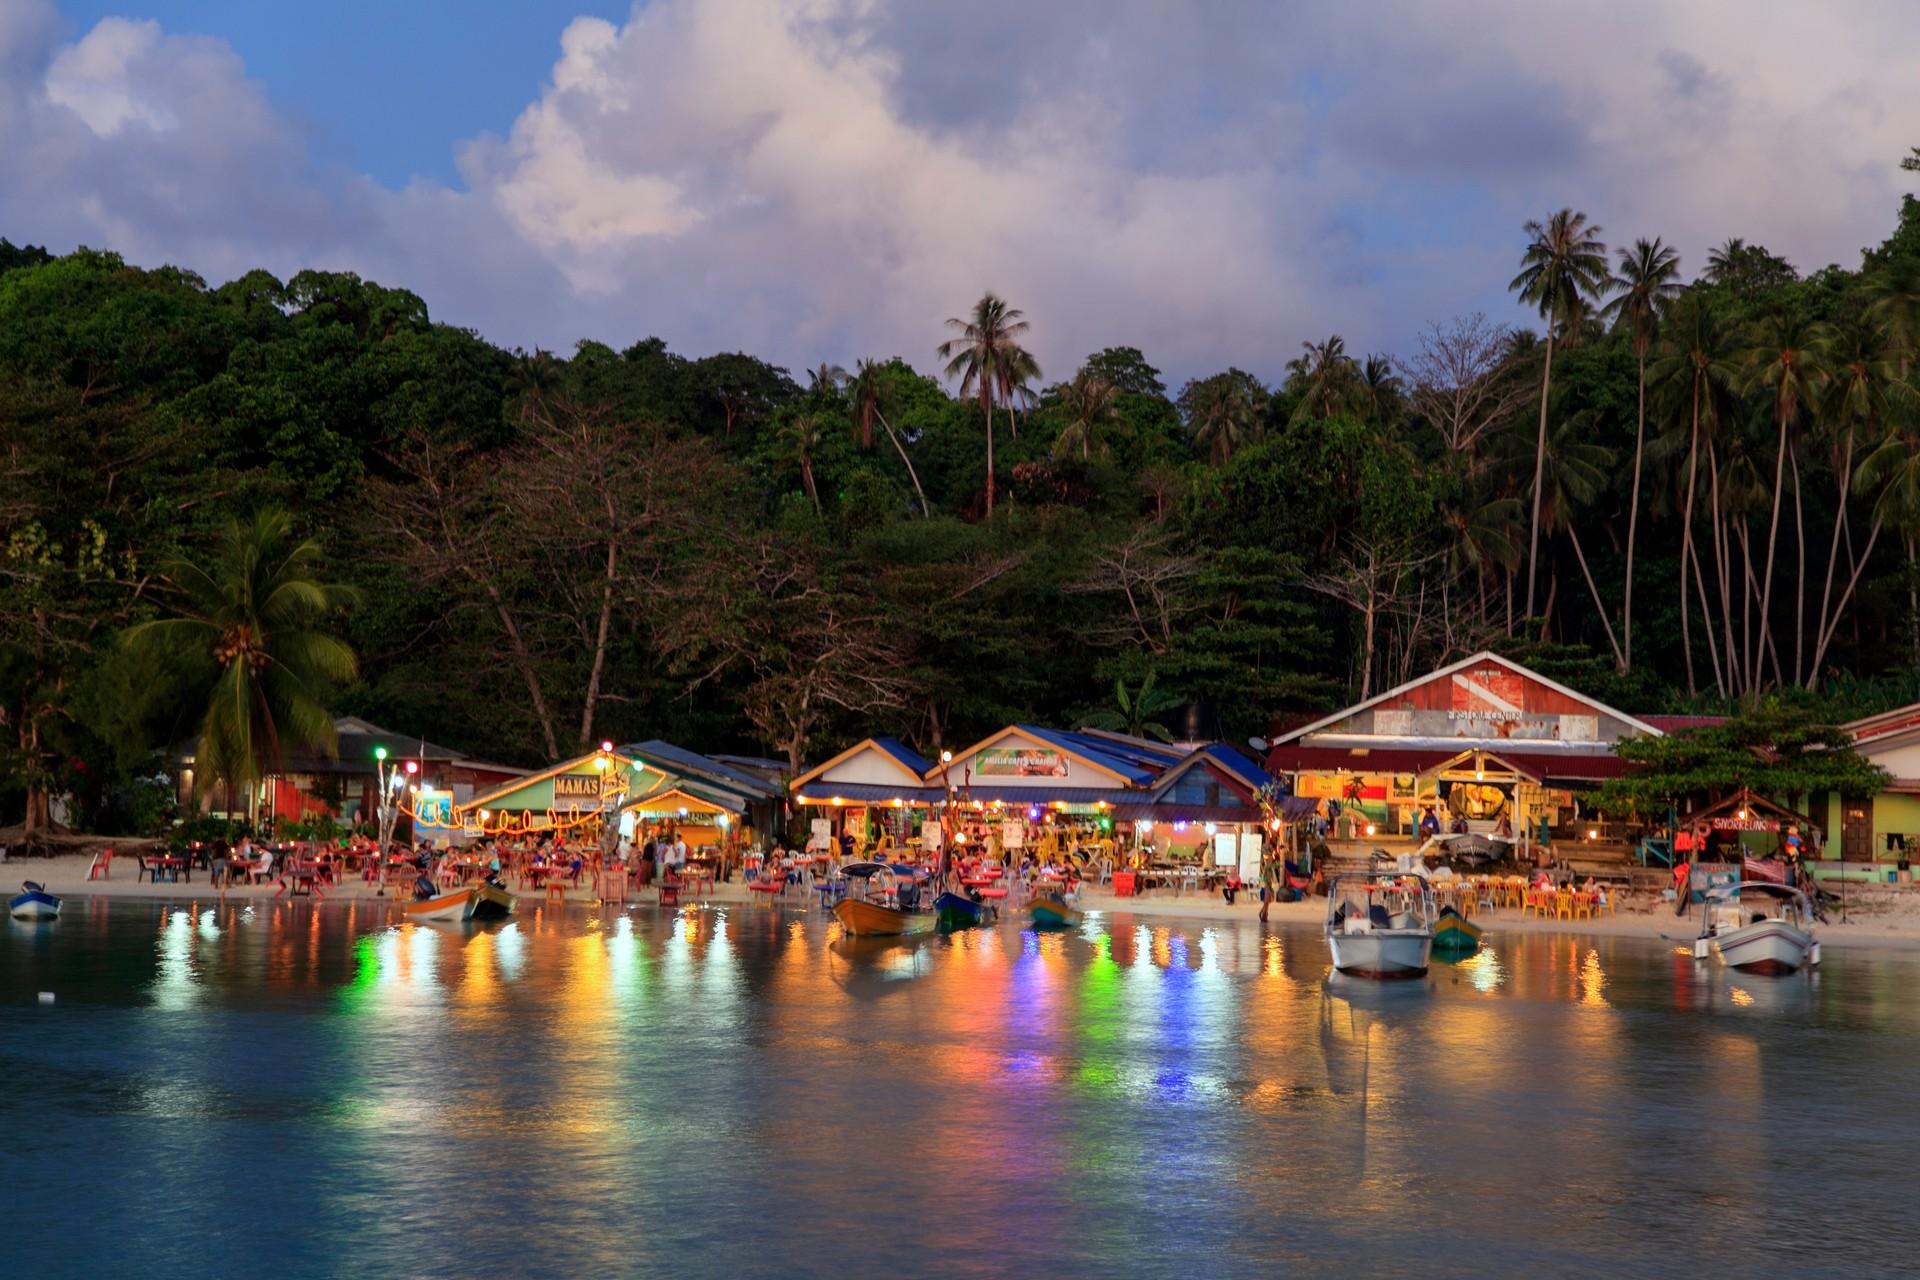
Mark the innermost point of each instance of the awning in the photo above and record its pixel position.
(1595, 766)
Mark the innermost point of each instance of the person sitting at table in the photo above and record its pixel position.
(1429, 823)
(217, 865)
(262, 868)
(1503, 830)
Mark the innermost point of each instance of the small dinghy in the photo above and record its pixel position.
(488, 901)
(1454, 934)
(954, 911)
(446, 908)
(33, 902)
(1050, 911)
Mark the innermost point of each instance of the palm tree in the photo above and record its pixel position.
(869, 393)
(1649, 275)
(803, 435)
(1379, 391)
(1089, 402)
(1327, 377)
(823, 387)
(1893, 468)
(1694, 364)
(1575, 474)
(1788, 360)
(989, 361)
(248, 625)
(1893, 295)
(1134, 711)
(1221, 414)
(1723, 263)
(1564, 267)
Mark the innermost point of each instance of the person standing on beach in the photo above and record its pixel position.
(1269, 884)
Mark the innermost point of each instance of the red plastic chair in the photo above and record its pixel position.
(102, 866)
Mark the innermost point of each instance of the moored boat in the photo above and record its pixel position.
(446, 907)
(1050, 911)
(486, 901)
(955, 911)
(1775, 939)
(1380, 927)
(863, 919)
(1454, 934)
(33, 902)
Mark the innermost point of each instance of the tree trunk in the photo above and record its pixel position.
(1686, 543)
(592, 698)
(1820, 650)
(1633, 525)
(1539, 471)
(912, 475)
(1800, 594)
(1844, 474)
(986, 407)
(1598, 606)
(1773, 539)
(517, 645)
(1706, 614)
(1913, 600)
(806, 476)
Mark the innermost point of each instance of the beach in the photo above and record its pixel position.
(1886, 917)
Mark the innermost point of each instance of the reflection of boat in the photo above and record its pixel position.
(1050, 911)
(865, 919)
(488, 902)
(33, 902)
(1774, 940)
(1454, 934)
(1380, 927)
(955, 911)
(448, 906)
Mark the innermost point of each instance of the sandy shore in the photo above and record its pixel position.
(1884, 917)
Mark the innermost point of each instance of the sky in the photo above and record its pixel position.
(830, 179)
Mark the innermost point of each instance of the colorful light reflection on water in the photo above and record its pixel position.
(312, 1090)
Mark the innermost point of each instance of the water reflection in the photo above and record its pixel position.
(624, 1091)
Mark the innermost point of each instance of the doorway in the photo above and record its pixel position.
(1856, 828)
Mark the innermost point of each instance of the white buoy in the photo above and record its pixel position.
(46, 997)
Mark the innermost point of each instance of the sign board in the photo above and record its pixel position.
(433, 808)
(1726, 822)
(585, 790)
(1019, 762)
(1013, 834)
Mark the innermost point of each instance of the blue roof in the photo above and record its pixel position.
(680, 759)
(872, 793)
(906, 755)
(1237, 762)
(1094, 750)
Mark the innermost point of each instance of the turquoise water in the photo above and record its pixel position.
(304, 1090)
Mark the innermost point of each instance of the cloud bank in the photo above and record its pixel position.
(827, 179)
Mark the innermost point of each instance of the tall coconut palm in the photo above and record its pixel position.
(1694, 366)
(1563, 269)
(1788, 360)
(1221, 414)
(249, 623)
(867, 390)
(1575, 474)
(1892, 472)
(823, 387)
(989, 361)
(1649, 275)
(803, 436)
(1893, 294)
(1089, 402)
(1327, 377)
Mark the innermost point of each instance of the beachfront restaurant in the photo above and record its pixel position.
(1883, 827)
(1483, 741)
(1120, 799)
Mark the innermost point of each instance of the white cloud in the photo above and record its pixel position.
(830, 179)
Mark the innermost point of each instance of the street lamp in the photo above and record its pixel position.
(386, 803)
(609, 821)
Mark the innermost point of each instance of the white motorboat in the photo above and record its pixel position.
(34, 903)
(1759, 927)
(1380, 926)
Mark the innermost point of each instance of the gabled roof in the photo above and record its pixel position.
(1130, 747)
(565, 766)
(1484, 656)
(683, 794)
(1221, 758)
(1089, 751)
(1885, 725)
(913, 767)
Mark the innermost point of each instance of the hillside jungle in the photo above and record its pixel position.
(1677, 485)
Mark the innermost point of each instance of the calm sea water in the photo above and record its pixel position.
(314, 1091)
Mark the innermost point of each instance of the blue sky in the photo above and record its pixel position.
(829, 179)
(389, 87)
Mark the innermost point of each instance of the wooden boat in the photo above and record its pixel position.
(862, 919)
(956, 911)
(1380, 927)
(1775, 939)
(447, 907)
(33, 902)
(488, 902)
(1454, 934)
(1050, 911)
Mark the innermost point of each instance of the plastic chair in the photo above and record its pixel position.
(556, 891)
(101, 866)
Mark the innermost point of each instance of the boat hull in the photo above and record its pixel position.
(1382, 955)
(1454, 934)
(1766, 947)
(871, 920)
(446, 907)
(485, 902)
(953, 911)
(1052, 913)
(34, 905)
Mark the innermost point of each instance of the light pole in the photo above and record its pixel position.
(609, 795)
(387, 782)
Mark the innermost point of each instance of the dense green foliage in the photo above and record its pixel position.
(1777, 749)
(548, 550)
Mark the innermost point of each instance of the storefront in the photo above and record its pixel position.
(1484, 742)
